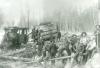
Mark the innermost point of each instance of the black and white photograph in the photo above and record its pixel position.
(49, 34)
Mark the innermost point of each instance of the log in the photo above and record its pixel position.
(13, 52)
(60, 58)
(24, 60)
(15, 58)
(29, 60)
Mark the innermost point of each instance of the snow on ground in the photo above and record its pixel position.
(92, 63)
(95, 62)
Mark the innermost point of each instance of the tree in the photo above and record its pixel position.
(1, 19)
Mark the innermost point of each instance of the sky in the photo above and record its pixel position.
(13, 9)
(38, 9)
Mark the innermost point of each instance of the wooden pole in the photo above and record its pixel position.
(28, 21)
(60, 58)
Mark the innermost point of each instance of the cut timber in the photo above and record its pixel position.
(27, 60)
(13, 52)
(15, 58)
(60, 58)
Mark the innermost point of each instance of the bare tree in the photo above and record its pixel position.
(1, 19)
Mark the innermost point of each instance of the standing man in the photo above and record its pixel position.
(40, 44)
(74, 40)
(97, 34)
(33, 34)
(82, 52)
(53, 51)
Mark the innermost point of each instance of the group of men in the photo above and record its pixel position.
(83, 46)
(80, 45)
